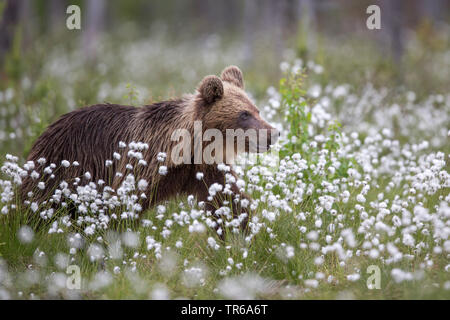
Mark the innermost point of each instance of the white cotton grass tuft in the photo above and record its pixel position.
(65, 163)
(195, 276)
(167, 264)
(25, 234)
(130, 239)
(245, 287)
(95, 252)
(162, 170)
(161, 156)
(101, 280)
(199, 175)
(159, 292)
(142, 184)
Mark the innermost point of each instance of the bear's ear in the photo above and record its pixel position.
(234, 75)
(211, 89)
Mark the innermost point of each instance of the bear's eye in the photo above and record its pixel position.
(245, 115)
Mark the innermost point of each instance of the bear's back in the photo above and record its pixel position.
(84, 133)
(89, 135)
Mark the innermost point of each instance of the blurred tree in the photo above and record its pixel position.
(274, 18)
(57, 9)
(393, 14)
(434, 10)
(291, 21)
(8, 26)
(94, 15)
(307, 16)
(28, 22)
(249, 22)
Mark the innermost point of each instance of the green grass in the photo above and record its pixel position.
(261, 250)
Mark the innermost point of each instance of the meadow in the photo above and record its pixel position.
(352, 203)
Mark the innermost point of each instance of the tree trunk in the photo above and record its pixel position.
(94, 15)
(8, 26)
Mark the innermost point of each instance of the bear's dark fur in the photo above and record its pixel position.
(92, 134)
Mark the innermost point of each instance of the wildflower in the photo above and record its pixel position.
(313, 283)
(142, 184)
(65, 163)
(199, 175)
(25, 234)
(290, 252)
(161, 156)
(34, 175)
(353, 277)
(162, 170)
(34, 206)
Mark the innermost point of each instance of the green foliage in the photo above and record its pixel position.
(298, 115)
(294, 106)
(132, 94)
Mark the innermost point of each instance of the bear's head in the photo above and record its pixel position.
(223, 105)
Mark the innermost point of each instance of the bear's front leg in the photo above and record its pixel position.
(222, 197)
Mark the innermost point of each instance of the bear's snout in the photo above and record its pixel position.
(267, 136)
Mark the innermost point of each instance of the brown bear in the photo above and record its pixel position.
(91, 135)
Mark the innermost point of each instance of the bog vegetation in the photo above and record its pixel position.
(358, 185)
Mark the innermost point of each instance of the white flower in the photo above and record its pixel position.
(408, 240)
(284, 66)
(360, 198)
(161, 209)
(161, 156)
(290, 252)
(223, 167)
(65, 163)
(240, 183)
(34, 175)
(162, 170)
(353, 277)
(142, 184)
(199, 175)
(313, 283)
(214, 188)
(312, 235)
(213, 244)
(130, 239)
(34, 206)
(25, 234)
